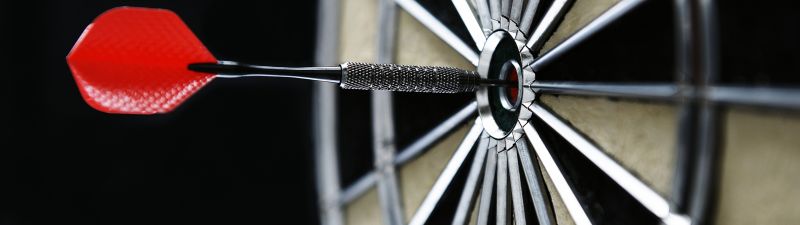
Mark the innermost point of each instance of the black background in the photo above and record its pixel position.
(239, 152)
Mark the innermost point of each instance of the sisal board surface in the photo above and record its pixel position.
(365, 210)
(641, 136)
(417, 177)
(358, 35)
(416, 45)
(560, 211)
(581, 14)
(760, 171)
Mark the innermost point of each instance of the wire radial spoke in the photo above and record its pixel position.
(548, 23)
(788, 98)
(496, 13)
(418, 147)
(559, 182)
(516, 10)
(502, 185)
(470, 21)
(446, 177)
(611, 15)
(468, 196)
(527, 17)
(516, 186)
(755, 96)
(358, 188)
(636, 188)
(487, 187)
(433, 24)
(536, 186)
(659, 91)
(515, 15)
(485, 16)
(433, 136)
(505, 9)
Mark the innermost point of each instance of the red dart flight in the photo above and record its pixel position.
(134, 61)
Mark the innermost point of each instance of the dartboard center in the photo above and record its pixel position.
(498, 106)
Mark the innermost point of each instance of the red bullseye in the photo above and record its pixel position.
(513, 91)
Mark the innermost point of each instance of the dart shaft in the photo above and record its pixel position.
(364, 76)
(229, 69)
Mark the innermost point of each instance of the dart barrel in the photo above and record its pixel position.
(390, 77)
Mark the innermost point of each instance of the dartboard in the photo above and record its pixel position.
(621, 114)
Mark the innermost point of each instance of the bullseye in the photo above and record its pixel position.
(512, 92)
(509, 95)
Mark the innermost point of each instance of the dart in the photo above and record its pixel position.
(133, 60)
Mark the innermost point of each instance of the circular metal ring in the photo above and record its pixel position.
(499, 49)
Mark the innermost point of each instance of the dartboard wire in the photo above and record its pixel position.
(446, 177)
(495, 13)
(684, 63)
(708, 116)
(527, 19)
(471, 187)
(505, 14)
(383, 123)
(325, 157)
(487, 188)
(482, 6)
(515, 15)
(516, 186)
(358, 188)
(434, 25)
(760, 97)
(612, 14)
(563, 189)
(325, 117)
(536, 186)
(549, 21)
(439, 132)
(768, 97)
(416, 148)
(502, 202)
(647, 197)
(647, 91)
(471, 22)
